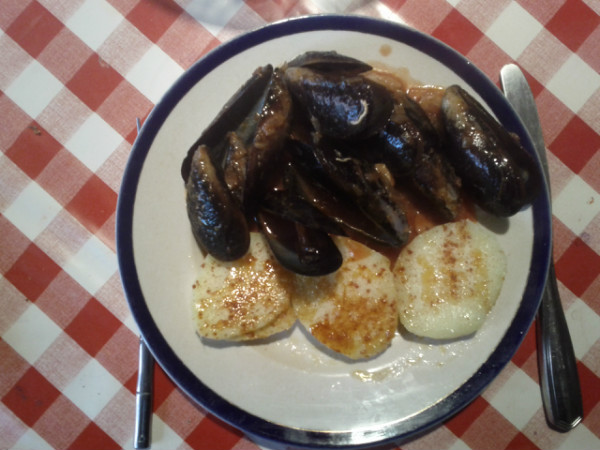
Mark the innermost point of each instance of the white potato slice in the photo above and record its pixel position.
(352, 311)
(448, 279)
(234, 300)
(282, 322)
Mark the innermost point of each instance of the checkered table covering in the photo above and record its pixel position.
(74, 75)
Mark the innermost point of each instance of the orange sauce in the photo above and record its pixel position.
(385, 50)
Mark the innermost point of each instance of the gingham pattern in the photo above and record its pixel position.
(74, 76)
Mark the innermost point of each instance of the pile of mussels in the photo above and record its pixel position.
(315, 148)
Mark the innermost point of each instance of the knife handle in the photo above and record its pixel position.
(559, 379)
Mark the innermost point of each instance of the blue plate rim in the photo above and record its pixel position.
(403, 429)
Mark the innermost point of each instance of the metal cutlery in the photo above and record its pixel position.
(143, 398)
(144, 389)
(559, 380)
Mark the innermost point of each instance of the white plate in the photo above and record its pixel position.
(287, 389)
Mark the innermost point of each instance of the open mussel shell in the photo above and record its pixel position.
(247, 100)
(350, 190)
(303, 250)
(268, 130)
(496, 170)
(305, 200)
(291, 201)
(352, 220)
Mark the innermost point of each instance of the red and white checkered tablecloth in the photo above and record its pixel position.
(74, 75)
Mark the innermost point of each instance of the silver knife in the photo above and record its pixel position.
(144, 388)
(559, 380)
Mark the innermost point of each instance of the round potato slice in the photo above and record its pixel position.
(352, 311)
(237, 299)
(448, 279)
(282, 322)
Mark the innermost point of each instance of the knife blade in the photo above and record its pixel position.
(559, 379)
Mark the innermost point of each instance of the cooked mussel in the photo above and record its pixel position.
(218, 224)
(410, 148)
(303, 198)
(290, 200)
(357, 181)
(303, 250)
(501, 176)
(246, 101)
(340, 105)
(265, 134)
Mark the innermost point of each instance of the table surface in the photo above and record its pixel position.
(73, 78)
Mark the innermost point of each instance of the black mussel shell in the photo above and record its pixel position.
(288, 200)
(218, 224)
(302, 250)
(357, 181)
(247, 99)
(411, 150)
(501, 176)
(330, 62)
(340, 106)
